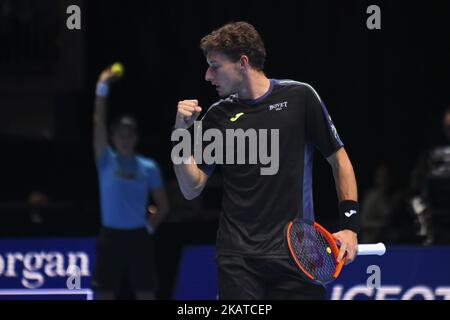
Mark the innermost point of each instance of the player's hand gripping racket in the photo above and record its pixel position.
(315, 250)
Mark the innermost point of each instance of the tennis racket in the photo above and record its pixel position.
(315, 250)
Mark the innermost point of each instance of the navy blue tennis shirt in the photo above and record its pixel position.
(257, 208)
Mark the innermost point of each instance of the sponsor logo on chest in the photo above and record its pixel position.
(278, 106)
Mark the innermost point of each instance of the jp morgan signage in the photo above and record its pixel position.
(45, 262)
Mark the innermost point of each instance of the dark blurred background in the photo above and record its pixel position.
(386, 91)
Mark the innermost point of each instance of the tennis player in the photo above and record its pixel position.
(252, 254)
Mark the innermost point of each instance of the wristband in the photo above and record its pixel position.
(102, 90)
(349, 215)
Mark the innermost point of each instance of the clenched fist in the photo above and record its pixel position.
(188, 111)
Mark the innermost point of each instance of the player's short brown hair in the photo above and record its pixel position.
(236, 39)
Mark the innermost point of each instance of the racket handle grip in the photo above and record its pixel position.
(371, 249)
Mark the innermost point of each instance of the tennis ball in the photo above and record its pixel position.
(328, 250)
(118, 69)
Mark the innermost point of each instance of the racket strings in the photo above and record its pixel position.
(313, 252)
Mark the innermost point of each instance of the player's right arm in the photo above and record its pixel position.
(190, 178)
(100, 136)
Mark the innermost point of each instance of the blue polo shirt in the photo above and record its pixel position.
(125, 186)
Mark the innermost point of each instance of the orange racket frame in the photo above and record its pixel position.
(333, 245)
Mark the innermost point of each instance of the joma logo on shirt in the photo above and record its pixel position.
(278, 106)
(233, 119)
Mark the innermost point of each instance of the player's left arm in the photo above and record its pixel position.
(345, 180)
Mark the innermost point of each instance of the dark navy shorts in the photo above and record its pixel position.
(244, 278)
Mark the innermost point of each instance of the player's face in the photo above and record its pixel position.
(125, 140)
(223, 73)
